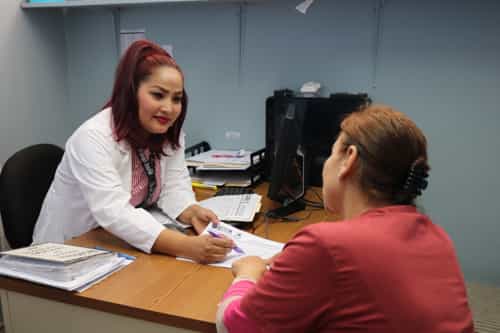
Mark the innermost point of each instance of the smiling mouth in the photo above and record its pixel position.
(162, 120)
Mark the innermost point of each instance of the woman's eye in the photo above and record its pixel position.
(177, 99)
(157, 95)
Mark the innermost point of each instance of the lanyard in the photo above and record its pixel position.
(149, 169)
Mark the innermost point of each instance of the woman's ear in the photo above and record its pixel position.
(348, 165)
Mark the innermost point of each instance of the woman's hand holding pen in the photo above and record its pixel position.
(207, 249)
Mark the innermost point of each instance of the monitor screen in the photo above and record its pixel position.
(287, 179)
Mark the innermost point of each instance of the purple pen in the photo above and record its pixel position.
(216, 235)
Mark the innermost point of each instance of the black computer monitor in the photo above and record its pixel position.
(318, 117)
(287, 181)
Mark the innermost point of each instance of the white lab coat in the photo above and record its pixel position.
(91, 188)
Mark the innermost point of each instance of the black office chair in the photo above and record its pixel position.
(24, 182)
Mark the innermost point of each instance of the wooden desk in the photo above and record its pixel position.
(156, 293)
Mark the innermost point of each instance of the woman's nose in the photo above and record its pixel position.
(166, 106)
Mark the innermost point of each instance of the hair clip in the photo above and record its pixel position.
(416, 181)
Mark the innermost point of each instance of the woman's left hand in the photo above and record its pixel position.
(198, 217)
(251, 267)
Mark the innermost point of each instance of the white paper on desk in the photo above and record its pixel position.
(240, 207)
(252, 245)
(103, 277)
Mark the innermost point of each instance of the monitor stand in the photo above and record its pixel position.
(287, 209)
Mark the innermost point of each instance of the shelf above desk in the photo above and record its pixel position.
(118, 3)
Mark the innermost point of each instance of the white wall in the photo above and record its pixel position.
(33, 78)
(91, 59)
(33, 86)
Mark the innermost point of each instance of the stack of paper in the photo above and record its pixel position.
(62, 266)
(220, 178)
(236, 168)
(237, 208)
(220, 160)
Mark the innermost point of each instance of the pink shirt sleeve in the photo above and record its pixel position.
(283, 299)
(296, 293)
(234, 320)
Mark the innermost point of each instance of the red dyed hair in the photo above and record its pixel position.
(135, 66)
(390, 145)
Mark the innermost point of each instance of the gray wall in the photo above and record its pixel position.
(33, 85)
(440, 63)
(437, 61)
(91, 58)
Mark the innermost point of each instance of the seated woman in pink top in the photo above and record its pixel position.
(385, 268)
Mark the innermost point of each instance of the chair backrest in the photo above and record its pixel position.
(24, 182)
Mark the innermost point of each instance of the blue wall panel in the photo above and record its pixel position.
(437, 61)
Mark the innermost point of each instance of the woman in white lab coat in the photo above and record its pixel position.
(128, 159)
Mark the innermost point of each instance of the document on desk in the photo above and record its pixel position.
(251, 245)
(75, 274)
(239, 207)
(54, 253)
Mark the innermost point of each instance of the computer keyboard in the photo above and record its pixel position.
(233, 190)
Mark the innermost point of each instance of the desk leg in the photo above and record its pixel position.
(28, 314)
(5, 311)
